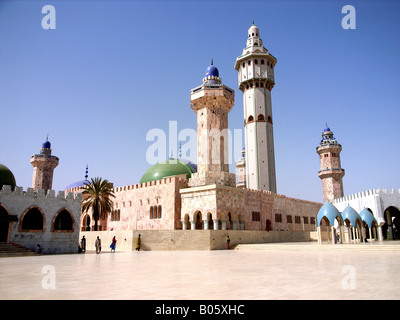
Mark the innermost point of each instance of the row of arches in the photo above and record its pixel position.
(260, 117)
(34, 220)
(352, 227)
(198, 222)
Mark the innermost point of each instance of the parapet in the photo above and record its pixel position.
(366, 193)
(40, 193)
(181, 179)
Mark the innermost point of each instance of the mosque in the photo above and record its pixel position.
(177, 198)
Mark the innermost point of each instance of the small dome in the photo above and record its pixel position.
(350, 214)
(46, 145)
(212, 71)
(6, 177)
(329, 211)
(78, 184)
(367, 217)
(171, 167)
(327, 129)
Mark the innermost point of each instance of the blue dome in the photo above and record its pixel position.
(211, 71)
(367, 217)
(329, 211)
(350, 214)
(78, 184)
(327, 129)
(46, 145)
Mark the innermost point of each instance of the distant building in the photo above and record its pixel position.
(39, 216)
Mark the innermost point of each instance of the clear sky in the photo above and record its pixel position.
(112, 71)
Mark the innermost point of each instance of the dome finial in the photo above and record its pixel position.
(86, 175)
(253, 23)
(212, 62)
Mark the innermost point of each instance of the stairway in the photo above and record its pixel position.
(12, 250)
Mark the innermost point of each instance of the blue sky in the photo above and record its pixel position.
(112, 71)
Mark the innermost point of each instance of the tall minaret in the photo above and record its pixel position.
(256, 80)
(331, 172)
(212, 102)
(43, 167)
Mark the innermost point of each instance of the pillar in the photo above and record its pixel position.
(333, 234)
(184, 225)
(370, 234)
(319, 235)
(193, 225)
(205, 224)
(223, 226)
(215, 224)
(380, 233)
(234, 225)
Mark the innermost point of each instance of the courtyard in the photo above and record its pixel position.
(256, 272)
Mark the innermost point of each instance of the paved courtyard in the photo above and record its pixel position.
(291, 273)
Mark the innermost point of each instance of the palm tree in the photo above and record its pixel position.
(97, 196)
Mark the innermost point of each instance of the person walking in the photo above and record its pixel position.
(138, 243)
(97, 244)
(113, 244)
(227, 242)
(83, 244)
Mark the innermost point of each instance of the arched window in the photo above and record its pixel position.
(63, 221)
(269, 119)
(249, 62)
(159, 212)
(260, 117)
(250, 119)
(244, 65)
(32, 220)
(151, 212)
(262, 61)
(255, 61)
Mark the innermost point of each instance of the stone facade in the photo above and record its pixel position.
(36, 217)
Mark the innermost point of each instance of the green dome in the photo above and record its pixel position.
(171, 167)
(6, 177)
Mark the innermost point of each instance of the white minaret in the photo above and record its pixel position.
(256, 80)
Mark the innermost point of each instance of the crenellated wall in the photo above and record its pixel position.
(377, 200)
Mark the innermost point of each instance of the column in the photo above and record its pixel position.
(205, 224)
(370, 234)
(215, 224)
(333, 234)
(184, 225)
(380, 233)
(319, 235)
(193, 225)
(234, 225)
(223, 226)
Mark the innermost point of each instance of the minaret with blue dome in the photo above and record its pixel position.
(256, 78)
(43, 167)
(212, 101)
(331, 172)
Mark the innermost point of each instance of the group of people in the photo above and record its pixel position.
(113, 244)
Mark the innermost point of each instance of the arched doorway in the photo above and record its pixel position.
(32, 220)
(86, 223)
(4, 224)
(268, 225)
(63, 221)
(210, 221)
(391, 228)
(198, 221)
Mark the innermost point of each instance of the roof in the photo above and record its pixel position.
(329, 211)
(367, 217)
(6, 177)
(350, 214)
(171, 167)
